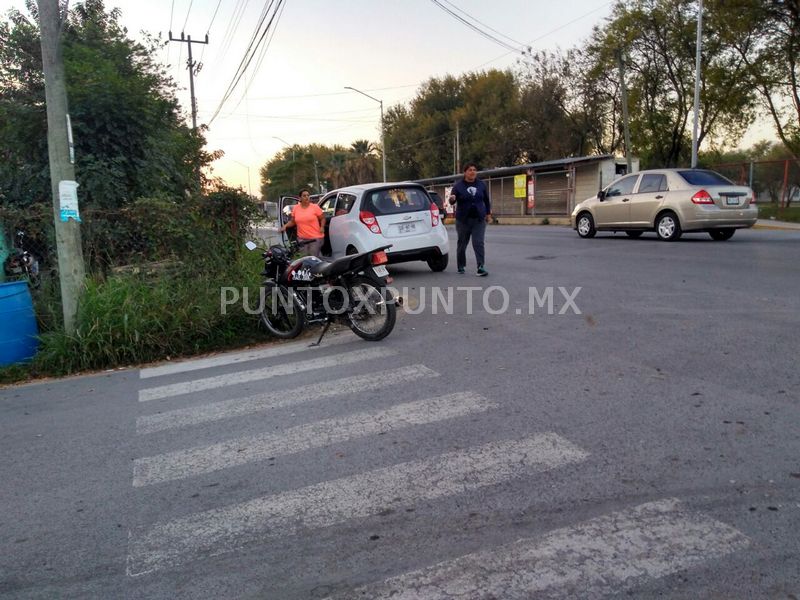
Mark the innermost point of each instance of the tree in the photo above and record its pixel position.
(765, 35)
(363, 164)
(560, 110)
(657, 40)
(130, 136)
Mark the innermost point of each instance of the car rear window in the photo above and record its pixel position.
(699, 177)
(395, 201)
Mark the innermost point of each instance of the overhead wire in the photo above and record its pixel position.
(255, 43)
(233, 26)
(187, 16)
(552, 31)
(475, 28)
(465, 13)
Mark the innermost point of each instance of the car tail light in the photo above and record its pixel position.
(434, 215)
(702, 197)
(380, 258)
(753, 199)
(368, 219)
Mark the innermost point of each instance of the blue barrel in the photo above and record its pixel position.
(18, 331)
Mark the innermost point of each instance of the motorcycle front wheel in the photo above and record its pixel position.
(372, 312)
(280, 314)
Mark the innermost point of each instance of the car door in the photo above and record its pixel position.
(614, 208)
(328, 206)
(285, 206)
(340, 224)
(648, 198)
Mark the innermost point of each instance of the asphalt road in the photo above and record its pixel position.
(636, 438)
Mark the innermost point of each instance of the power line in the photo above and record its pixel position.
(210, 25)
(252, 48)
(187, 15)
(465, 13)
(476, 29)
(552, 31)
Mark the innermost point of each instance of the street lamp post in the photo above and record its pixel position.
(249, 188)
(293, 169)
(383, 141)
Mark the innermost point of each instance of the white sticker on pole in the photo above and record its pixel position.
(68, 200)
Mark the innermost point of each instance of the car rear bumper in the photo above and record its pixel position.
(415, 254)
(716, 218)
(418, 246)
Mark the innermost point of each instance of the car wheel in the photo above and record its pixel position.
(668, 227)
(585, 225)
(438, 262)
(720, 235)
(634, 234)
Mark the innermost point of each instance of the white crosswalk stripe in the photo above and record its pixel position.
(238, 407)
(208, 383)
(590, 560)
(601, 556)
(337, 501)
(231, 453)
(230, 358)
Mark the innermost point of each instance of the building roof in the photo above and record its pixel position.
(517, 169)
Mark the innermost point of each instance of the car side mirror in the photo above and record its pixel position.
(601, 195)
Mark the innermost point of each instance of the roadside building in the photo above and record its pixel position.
(545, 189)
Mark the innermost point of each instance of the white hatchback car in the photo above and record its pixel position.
(364, 217)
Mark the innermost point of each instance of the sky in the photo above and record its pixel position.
(385, 48)
(295, 92)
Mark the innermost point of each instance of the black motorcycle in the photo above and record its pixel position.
(306, 290)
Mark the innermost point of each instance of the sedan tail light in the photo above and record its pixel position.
(434, 215)
(702, 197)
(368, 219)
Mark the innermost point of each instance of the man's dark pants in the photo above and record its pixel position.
(471, 227)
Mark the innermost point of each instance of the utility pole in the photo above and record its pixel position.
(624, 92)
(71, 270)
(458, 148)
(697, 67)
(191, 66)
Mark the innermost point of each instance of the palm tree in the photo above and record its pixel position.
(362, 167)
(336, 171)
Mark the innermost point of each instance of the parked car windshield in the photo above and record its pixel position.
(394, 201)
(696, 177)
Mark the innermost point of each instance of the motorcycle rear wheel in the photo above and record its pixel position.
(372, 313)
(282, 317)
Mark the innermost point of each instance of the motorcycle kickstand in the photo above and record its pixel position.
(324, 331)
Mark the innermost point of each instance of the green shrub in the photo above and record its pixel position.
(133, 318)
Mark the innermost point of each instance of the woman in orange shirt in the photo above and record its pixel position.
(309, 220)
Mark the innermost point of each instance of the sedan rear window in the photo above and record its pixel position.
(699, 177)
(396, 200)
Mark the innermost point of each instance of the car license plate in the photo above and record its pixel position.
(407, 227)
(732, 201)
(381, 271)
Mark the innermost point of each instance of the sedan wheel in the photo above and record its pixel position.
(586, 225)
(720, 235)
(668, 228)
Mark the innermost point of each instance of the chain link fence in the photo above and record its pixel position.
(772, 181)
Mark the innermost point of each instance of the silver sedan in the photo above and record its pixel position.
(669, 202)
